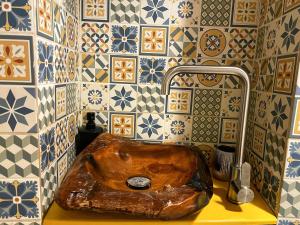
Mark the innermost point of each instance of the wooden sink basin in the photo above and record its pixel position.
(173, 180)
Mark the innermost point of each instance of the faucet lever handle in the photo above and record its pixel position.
(245, 175)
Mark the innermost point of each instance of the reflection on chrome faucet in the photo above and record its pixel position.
(239, 185)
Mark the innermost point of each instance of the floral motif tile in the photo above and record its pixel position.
(72, 65)
(210, 80)
(60, 67)
(207, 102)
(46, 106)
(95, 10)
(153, 40)
(123, 124)
(61, 137)
(48, 187)
(177, 128)
(18, 109)
(59, 15)
(293, 159)
(231, 103)
(270, 42)
(124, 39)
(47, 148)
(279, 115)
(16, 59)
(244, 13)
(155, 12)
(252, 104)
(259, 140)
(152, 70)
(123, 98)
(149, 99)
(95, 68)
(242, 43)
(72, 128)
(256, 171)
(289, 33)
(229, 130)
(215, 13)
(212, 42)
(94, 96)
(20, 199)
(45, 18)
(205, 129)
(289, 5)
(285, 74)
(16, 15)
(62, 168)
(185, 12)
(271, 189)
(295, 129)
(275, 152)
(71, 33)
(150, 126)
(45, 62)
(179, 101)
(262, 108)
(123, 69)
(125, 11)
(60, 101)
(19, 156)
(95, 37)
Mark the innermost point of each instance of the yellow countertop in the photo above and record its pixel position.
(218, 211)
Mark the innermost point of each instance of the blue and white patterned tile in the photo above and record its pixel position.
(150, 99)
(45, 62)
(47, 148)
(290, 199)
(179, 101)
(61, 137)
(295, 127)
(293, 159)
(19, 156)
(46, 105)
(155, 12)
(123, 98)
(125, 11)
(177, 128)
(287, 221)
(17, 16)
(94, 96)
(150, 126)
(125, 39)
(18, 109)
(186, 12)
(20, 199)
(152, 70)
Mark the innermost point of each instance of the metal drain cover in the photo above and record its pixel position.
(138, 183)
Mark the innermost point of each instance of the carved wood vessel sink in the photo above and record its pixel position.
(114, 174)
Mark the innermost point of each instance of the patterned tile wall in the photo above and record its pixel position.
(39, 61)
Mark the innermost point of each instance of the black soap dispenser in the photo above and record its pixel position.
(86, 134)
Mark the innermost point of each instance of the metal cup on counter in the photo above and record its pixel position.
(224, 157)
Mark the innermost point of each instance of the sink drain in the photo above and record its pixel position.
(138, 183)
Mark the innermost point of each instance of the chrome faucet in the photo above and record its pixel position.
(239, 185)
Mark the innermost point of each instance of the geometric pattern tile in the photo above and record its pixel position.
(229, 130)
(60, 101)
(123, 69)
(285, 74)
(150, 100)
(207, 102)
(125, 11)
(274, 10)
(19, 156)
(72, 36)
(290, 199)
(177, 128)
(62, 168)
(71, 155)
(45, 18)
(72, 128)
(72, 6)
(60, 67)
(94, 96)
(205, 129)
(95, 10)
(71, 97)
(290, 5)
(215, 12)
(155, 12)
(259, 140)
(46, 103)
(270, 43)
(150, 126)
(18, 109)
(16, 59)
(242, 43)
(72, 65)
(48, 187)
(256, 171)
(275, 152)
(244, 13)
(231, 103)
(295, 130)
(45, 62)
(260, 42)
(95, 68)
(95, 37)
(47, 148)
(185, 13)
(271, 189)
(179, 101)
(61, 137)
(59, 24)
(123, 97)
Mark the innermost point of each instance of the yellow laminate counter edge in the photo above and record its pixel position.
(218, 211)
